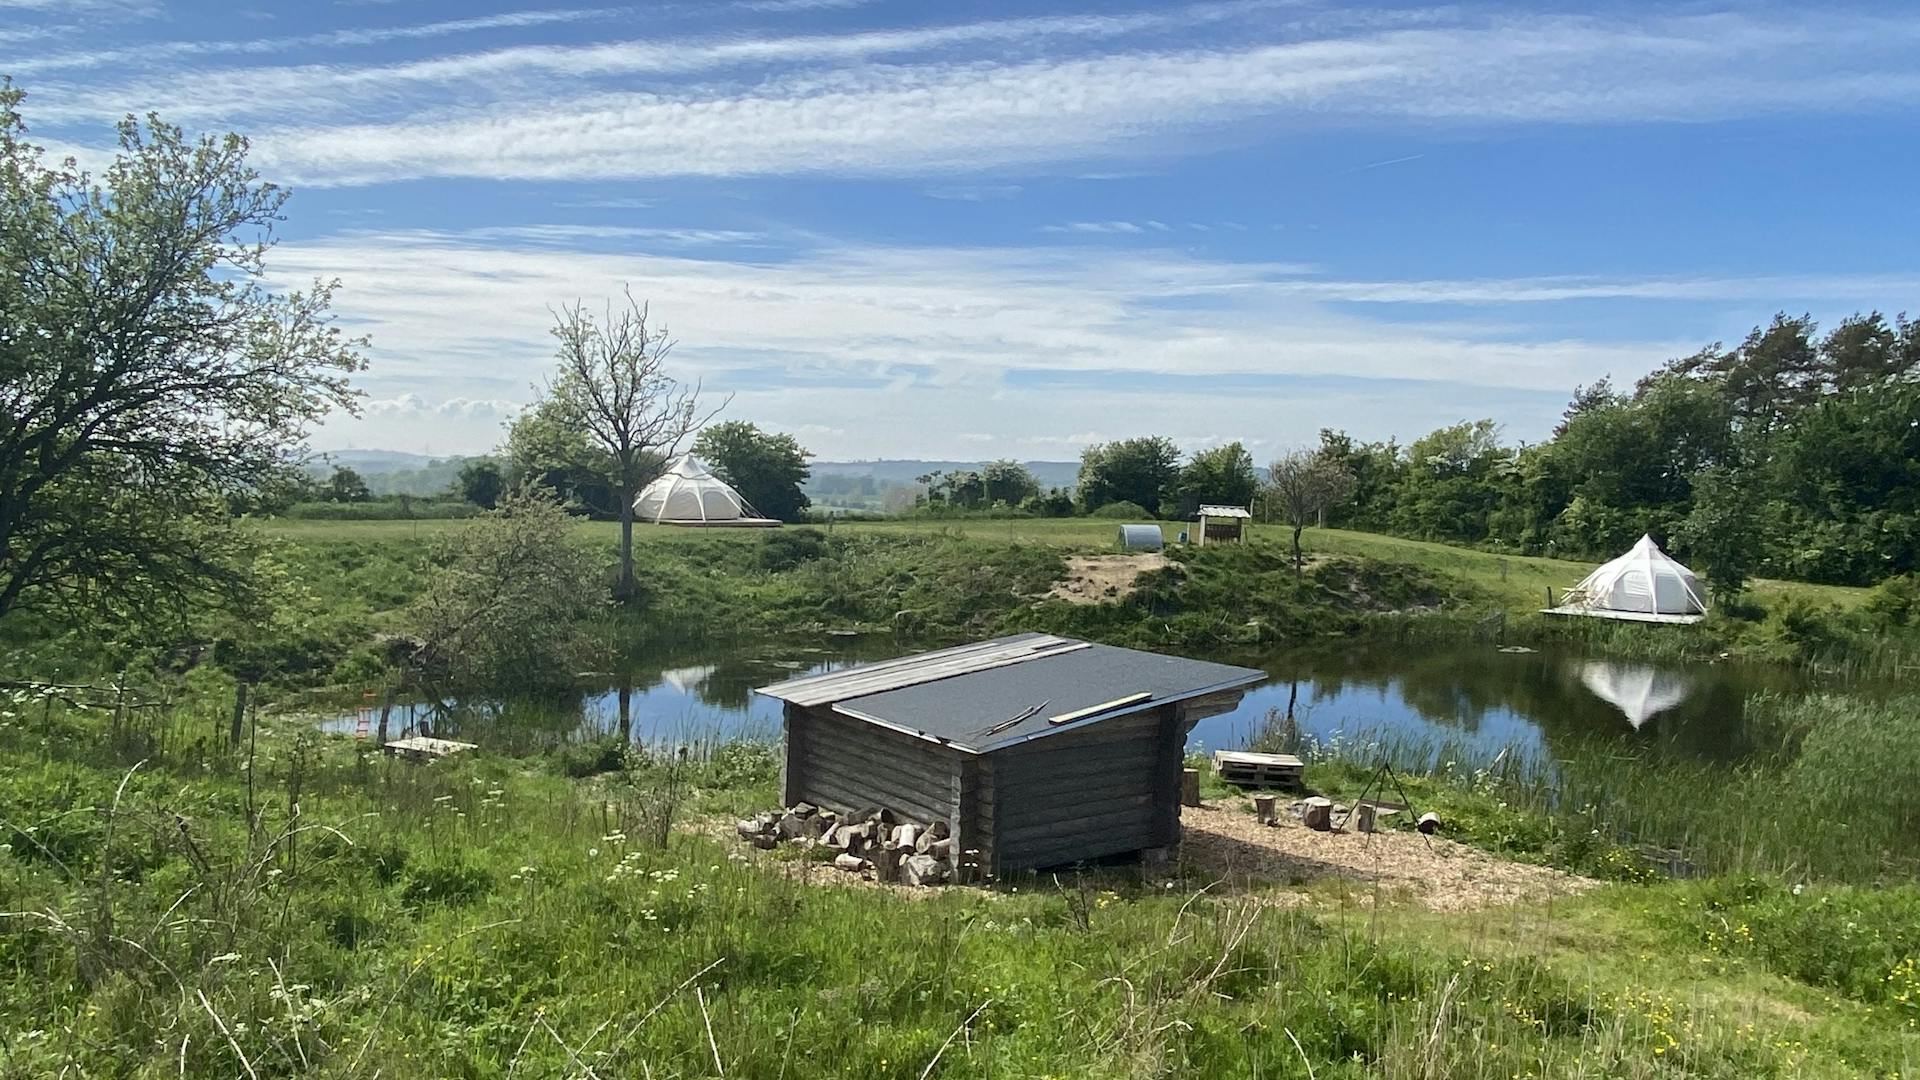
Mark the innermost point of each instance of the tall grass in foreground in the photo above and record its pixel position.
(307, 910)
(1832, 795)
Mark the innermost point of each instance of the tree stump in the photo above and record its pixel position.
(851, 863)
(1363, 817)
(1189, 787)
(1429, 823)
(1317, 813)
(1263, 809)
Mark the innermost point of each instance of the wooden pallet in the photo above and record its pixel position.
(1243, 768)
(421, 748)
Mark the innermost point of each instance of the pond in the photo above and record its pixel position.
(1467, 702)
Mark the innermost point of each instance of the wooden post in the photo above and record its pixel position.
(1189, 787)
(239, 712)
(791, 774)
(1166, 787)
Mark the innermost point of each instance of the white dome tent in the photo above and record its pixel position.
(1639, 691)
(687, 494)
(1644, 585)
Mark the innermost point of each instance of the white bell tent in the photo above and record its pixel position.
(1644, 585)
(687, 494)
(1639, 691)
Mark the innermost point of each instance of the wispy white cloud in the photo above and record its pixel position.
(148, 53)
(827, 104)
(888, 345)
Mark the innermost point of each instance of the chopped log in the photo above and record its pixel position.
(905, 835)
(803, 809)
(1363, 817)
(940, 849)
(813, 826)
(791, 825)
(886, 864)
(1189, 787)
(748, 828)
(1263, 809)
(766, 841)
(923, 870)
(1317, 813)
(1429, 823)
(851, 863)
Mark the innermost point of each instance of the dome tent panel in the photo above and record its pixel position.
(1645, 584)
(687, 494)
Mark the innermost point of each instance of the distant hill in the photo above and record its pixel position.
(1051, 474)
(370, 462)
(891, 483)
(393, 472)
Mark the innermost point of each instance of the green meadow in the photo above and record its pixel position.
(302, 906)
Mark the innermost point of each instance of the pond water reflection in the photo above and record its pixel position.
(1468, 701)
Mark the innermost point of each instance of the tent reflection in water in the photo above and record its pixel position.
(687, 494)
(1644, 585)
(1639, 691)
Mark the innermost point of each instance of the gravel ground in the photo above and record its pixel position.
(1444, 876)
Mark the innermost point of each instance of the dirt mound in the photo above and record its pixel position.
(1445, 876)
(1094, 579)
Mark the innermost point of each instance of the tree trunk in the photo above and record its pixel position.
(624, 591)
(1297, 527)
(626, 708)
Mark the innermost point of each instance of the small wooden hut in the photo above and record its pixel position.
(1034, 750)
(1223, 524)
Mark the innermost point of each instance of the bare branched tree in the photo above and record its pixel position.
(1301, 485)
(612, 381)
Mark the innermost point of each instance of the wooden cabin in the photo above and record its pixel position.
(1223, 524)
(1035, 750)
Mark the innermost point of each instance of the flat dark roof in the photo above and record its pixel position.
(959, 709)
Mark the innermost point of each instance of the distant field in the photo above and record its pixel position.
(1520, 581)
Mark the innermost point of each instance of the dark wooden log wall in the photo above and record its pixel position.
(845, 764)
(1081, 794)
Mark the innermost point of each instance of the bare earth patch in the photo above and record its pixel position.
(1094, 579)
(1228, 841)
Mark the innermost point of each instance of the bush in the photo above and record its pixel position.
(1123, 511)
(784, 549)
(396, 509)
(594, 758)
(1896, 600)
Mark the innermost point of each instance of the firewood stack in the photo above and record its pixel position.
(876, 844)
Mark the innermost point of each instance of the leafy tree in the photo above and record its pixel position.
(767, 469)
(1301, 485)
(547, 449)
(1222, 476)
(147, 374)
(613, 384)
(1139, 471)
(1452, 482)
(1376, 468)
(1721, 534)
(509, 602)
(346, 486)
(1008, 483)
(481, 482)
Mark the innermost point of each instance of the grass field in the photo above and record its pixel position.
(1519, 582)
(167, 909)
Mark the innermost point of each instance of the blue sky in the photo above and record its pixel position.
(976, 230)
